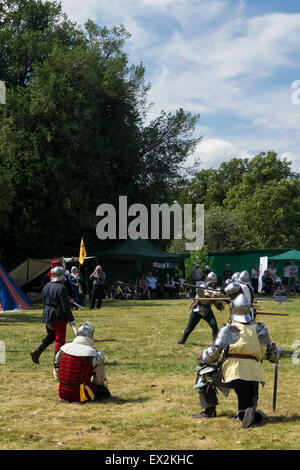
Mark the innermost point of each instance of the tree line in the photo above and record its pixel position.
(74, 132)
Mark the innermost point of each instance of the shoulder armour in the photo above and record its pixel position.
(263, 334)
(232, 288)
(98, 360)
(227, 335)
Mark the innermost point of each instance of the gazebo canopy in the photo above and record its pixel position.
(287, 256)
(130, 258)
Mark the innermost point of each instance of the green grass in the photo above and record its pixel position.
(151, 379)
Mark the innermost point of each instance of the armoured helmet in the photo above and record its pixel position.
(86, 329)
(57, 274)
(211, 277)
(235, 276)
(244, 276)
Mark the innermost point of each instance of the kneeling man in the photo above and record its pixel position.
(80, 368)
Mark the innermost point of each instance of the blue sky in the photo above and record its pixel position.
(232, 61)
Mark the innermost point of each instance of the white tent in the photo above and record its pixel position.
(32, 268)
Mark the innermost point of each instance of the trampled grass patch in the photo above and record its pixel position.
(151, 379)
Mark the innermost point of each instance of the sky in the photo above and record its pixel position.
(236, 63)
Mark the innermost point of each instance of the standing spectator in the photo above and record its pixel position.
(76, 281)
(254, 278)
(227, 273)
(143, 285)
(151, 283)
(293, 270)
(286, 274)
(196, 275)
(207, 270)
(169, 287)
(273, 272)
(56, 313)
(98, 279)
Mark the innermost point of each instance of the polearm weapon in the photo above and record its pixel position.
(208, 289)
(275, 385)
(273, 314)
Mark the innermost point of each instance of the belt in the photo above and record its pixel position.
(69, 385)
(82, 389)
(241, 356)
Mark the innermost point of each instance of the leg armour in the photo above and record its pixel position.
(208, 396)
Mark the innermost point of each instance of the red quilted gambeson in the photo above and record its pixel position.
(74, 371)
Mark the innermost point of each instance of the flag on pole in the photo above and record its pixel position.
(82, 252)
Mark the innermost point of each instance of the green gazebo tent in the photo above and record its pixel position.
(131, 258)
(287, 256)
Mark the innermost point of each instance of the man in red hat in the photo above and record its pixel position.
(47, 278)
(56, 313)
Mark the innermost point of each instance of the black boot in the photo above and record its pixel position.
(183, 339)
(209, 412)
(35, 355)
(248, 419)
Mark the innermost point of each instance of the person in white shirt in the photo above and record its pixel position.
(254, 278)
(286, 274)
(151, 283)
(273, 272)
(293, 270)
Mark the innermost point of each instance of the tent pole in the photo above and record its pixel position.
(27, 274)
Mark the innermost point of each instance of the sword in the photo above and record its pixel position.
(275, 385)
(74, 329)
(77, 305)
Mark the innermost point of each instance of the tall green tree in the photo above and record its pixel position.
(73, 133)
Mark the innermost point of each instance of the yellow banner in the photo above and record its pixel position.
(82, 252)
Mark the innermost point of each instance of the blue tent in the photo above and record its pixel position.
(11, 296)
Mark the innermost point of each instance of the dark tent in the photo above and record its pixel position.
(131, 258)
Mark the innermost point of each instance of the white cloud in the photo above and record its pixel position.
(214, 59)
(214, 151)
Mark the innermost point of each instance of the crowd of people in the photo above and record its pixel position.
(152, 287)
(230, 362)
(273, 284)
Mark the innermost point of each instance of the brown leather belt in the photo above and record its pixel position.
(242, 356)
(69, 385)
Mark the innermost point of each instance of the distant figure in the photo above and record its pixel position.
(268, 283)
(151, 283)
(254, 278)
(98, 279)
(227, 273)
(76, 281)
(293, 270)
(143, 285)
(170, 287)
(196, 275)
(286, 274)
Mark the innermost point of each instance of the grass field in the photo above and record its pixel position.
(151, 380)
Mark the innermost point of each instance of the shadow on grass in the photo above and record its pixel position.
(125, 305)
(121, 401)
(20, 318)
(283, 419)
(105, 340)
